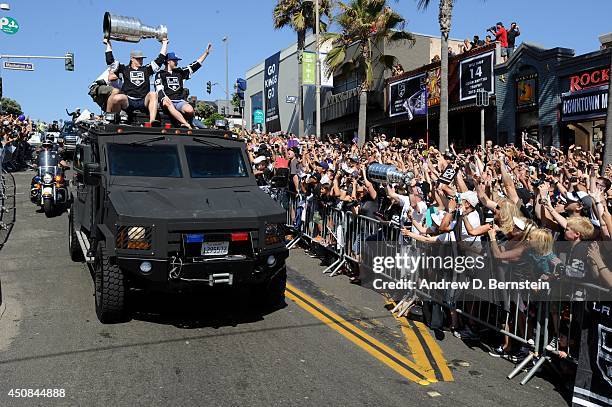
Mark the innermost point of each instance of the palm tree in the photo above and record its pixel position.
(444, 18)
(300, 16)
(364, 24)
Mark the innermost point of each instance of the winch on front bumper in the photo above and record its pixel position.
(218, 258)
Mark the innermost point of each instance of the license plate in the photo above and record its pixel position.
(215, 248)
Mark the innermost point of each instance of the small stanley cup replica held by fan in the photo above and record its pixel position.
(129, 29)
(388, 174)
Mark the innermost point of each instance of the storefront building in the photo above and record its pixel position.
(413, 100)
(553, 96)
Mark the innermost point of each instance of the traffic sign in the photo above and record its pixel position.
(258, 116)
(9, 25)
(18, 66)
(290, 99)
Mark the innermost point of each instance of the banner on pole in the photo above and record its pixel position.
(271, 72)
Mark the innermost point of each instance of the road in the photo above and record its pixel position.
(332, 344)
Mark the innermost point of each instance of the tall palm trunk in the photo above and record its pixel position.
(446, 10)
(301, 44)
(608, 138)
(363, 109)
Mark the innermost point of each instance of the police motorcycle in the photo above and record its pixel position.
(48, 189)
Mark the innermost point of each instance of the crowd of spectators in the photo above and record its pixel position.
(519, 200)
(15, 131)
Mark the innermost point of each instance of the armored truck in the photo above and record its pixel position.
(167, 209)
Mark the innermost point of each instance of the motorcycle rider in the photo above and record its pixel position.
(47, 156)
(169, 86)
(135, 93)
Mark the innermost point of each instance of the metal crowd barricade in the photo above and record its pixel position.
(520, 316)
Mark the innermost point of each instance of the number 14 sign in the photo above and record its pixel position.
(474, 74)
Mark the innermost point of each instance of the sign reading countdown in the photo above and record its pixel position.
(474, 74)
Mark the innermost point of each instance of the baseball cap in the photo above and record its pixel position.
(470, 197)
(137, 54)
(323, 164)
(259, 159)
(172, 57)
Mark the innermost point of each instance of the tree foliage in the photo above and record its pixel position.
(10, 106)
(210, 120)
(366, 23)
(204, 110)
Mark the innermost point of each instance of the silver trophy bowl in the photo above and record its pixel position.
(129, 29)
(388, 174)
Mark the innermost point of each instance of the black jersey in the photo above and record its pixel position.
(170, 84)
(136, 82)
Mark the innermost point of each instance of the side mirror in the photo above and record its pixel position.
(91, 174)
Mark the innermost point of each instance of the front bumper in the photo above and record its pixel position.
(175, 273)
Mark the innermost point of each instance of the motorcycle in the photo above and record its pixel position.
(49, 186)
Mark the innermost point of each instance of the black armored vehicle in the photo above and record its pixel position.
(166, 209)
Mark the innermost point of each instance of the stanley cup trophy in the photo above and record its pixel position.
(130, 29)
(388, 174)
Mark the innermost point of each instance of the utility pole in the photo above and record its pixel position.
(226, 41)
(318, 73)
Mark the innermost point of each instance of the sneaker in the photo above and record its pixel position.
(552, 345)
(456, 333)
(498, 352)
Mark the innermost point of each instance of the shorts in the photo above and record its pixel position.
(135, 104)
(504, 51)
(178, 104)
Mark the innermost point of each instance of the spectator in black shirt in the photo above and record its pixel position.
(169, 86)
(513, 32)
(135, 93)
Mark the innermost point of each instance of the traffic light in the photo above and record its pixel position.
(208, 87)
(69, 61)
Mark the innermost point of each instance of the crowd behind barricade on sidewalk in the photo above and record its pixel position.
(517, 204)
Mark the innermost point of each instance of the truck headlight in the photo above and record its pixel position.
(274, 233)
(134, 237)
(47, 178)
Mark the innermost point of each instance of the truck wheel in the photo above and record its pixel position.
(110, 289)
(48, 207)
(76, 254)
(272, 293)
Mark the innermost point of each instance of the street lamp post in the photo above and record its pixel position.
(226, 41)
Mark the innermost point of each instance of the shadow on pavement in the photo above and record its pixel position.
(209, 308)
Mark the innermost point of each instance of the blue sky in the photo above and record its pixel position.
(55, 27)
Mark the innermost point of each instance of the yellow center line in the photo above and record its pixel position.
(418, 353)
(378, 350)
(417, 347)
(436, 352)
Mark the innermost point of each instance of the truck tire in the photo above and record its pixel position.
(272, 293)
(76, 254)
(48, 207)
(110, 289)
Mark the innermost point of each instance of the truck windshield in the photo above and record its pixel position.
(211, 162)
(144, 161)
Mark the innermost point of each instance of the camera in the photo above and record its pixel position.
(537, 183)
(491, 28)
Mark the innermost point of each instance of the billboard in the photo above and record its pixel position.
(408, 96)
